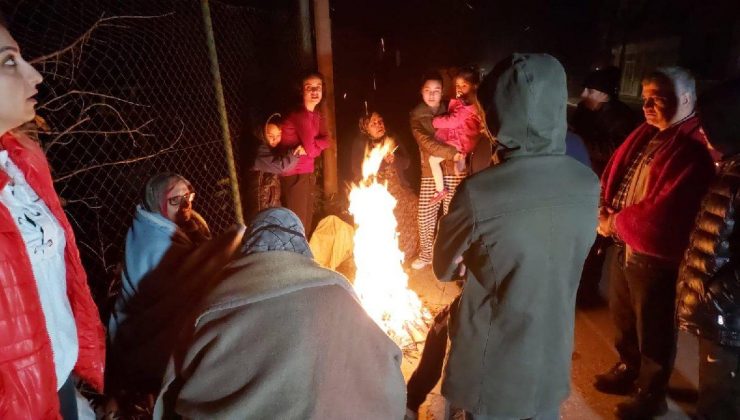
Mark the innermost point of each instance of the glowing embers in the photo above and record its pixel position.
(380, 280)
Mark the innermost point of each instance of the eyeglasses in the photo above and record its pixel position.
(310, 89)
(179, 199)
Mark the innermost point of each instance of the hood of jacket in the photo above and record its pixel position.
(524, 98)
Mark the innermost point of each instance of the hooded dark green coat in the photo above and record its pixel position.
(524, 228)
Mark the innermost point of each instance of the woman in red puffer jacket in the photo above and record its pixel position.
(49, 325)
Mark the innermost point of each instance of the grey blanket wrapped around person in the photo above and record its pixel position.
(282, 338)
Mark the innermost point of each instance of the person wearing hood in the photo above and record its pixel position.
(270, 162)
(522, 229)
(169, 259)
(282, 338)
(651, 191)
(708, 292)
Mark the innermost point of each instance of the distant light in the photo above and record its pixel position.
(382, 44)
(345, 95)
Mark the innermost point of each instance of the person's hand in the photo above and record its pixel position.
(299, 151)
(605, 223)
(461, 269)
(389, 158)
(458, 157)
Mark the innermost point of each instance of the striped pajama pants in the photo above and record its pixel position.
(428, 212)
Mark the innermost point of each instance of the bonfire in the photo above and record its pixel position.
(380, 280)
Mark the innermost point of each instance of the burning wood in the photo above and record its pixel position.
(380, 280)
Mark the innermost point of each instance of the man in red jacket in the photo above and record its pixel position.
(651, 190)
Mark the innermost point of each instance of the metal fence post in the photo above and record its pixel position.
(221, 104)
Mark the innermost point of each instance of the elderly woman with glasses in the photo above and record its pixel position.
(169, 259)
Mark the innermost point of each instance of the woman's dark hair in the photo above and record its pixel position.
(469, 74)
(3, 21)
(431, 75)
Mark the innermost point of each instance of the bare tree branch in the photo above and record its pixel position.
(85, 93)
(167, 149)
(85, 37)
(85, 202)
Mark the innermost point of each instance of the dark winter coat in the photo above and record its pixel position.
(263, 181)
(604, 130)
(523, 228)
(708, 293)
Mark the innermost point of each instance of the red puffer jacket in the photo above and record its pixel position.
(27, 378)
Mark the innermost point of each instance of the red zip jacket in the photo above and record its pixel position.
(306, 128)
(28, 383)
(680, 173)
(460, 127)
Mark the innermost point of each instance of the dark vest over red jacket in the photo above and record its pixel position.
(680, 173)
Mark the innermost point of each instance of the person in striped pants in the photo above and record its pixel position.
(423, 132)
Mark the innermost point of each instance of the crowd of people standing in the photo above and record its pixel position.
(245, 324)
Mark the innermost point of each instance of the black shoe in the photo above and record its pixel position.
(619, 380)
(642, 406)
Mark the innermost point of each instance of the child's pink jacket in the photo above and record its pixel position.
(459, 127)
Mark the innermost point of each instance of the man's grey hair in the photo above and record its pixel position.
(682, 79)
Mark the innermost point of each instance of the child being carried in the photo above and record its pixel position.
(460, 127)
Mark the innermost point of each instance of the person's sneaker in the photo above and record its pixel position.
(418, 264)
(438, 196)
(619, 380)
(642, 406)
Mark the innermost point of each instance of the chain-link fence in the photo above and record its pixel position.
(129, 92)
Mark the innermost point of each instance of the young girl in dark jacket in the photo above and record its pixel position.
(270, 163)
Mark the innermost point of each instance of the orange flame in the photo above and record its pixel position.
(380, 281)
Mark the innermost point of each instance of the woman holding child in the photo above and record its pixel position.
(447, 138)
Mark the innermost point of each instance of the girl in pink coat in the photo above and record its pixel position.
(460, 127)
